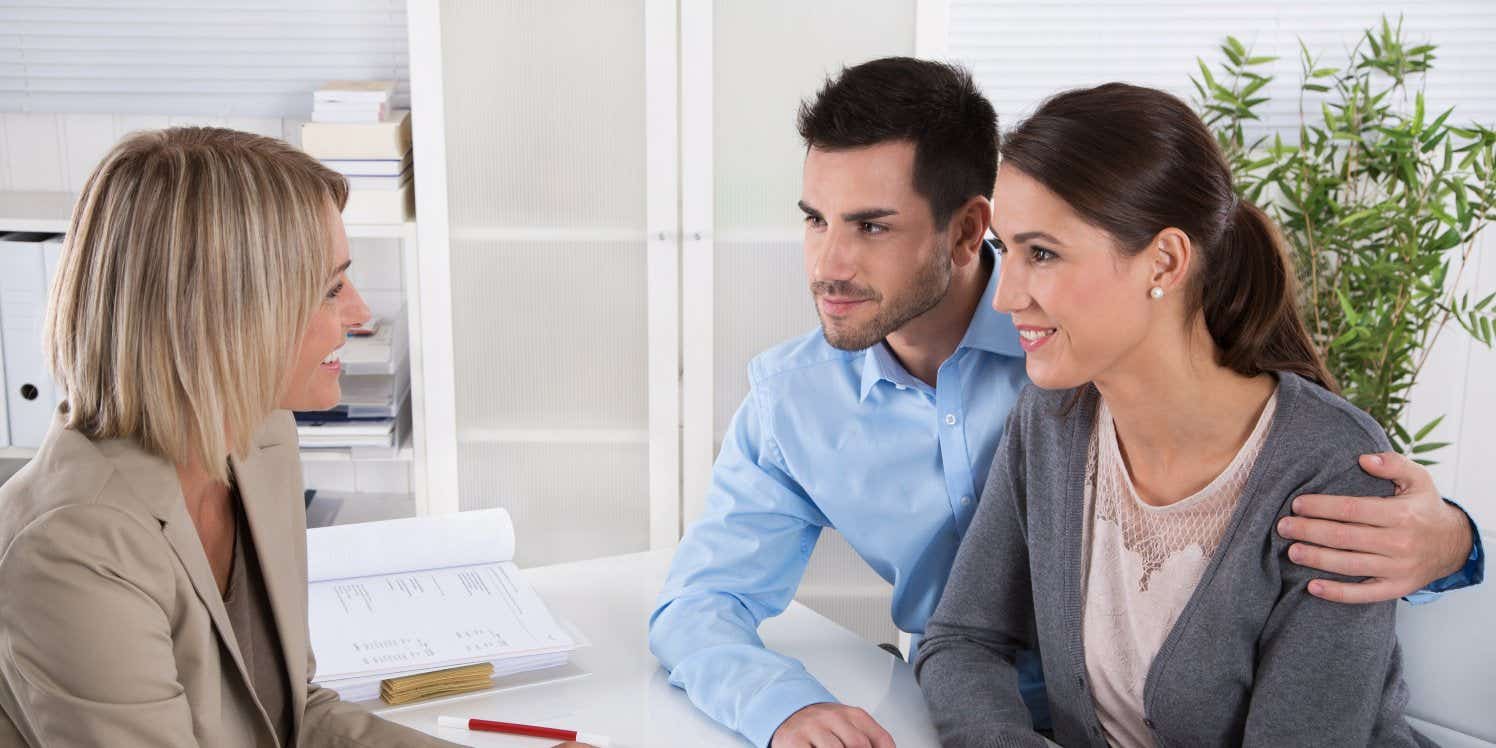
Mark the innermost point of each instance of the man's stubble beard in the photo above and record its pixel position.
(929, 288)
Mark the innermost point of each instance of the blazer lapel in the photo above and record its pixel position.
(155, 484)
(269, 480)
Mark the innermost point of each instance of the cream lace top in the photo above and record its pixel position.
(1142, 565)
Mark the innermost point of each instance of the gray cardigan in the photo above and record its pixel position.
(1253, 658)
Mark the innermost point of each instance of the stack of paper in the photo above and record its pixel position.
(349, 432)
(376, 387)
(402, 597)
(448, 682)
(352, 101)
(356, 133)
(380, 350)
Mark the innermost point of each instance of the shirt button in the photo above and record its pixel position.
(965, 501)
(1148, 723)
(950, 419)
(901, 387)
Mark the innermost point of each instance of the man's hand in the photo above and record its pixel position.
(831, 726)
(1400, 544)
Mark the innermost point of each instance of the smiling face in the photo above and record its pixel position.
(873, 255)
(313, 382)
(1081, 307)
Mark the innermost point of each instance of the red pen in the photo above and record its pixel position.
(514, 728)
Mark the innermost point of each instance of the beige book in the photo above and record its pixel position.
(389, 139)
(380, 206)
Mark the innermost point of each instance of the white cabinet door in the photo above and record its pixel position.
(532, 164)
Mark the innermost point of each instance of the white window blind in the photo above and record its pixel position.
(1022, 51)
(219, 58)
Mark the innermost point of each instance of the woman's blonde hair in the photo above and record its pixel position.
(193, 262)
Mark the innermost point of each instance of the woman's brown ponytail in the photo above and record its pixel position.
(1248, 298)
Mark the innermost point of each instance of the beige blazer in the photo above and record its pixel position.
(112, 629)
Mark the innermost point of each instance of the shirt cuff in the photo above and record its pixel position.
(1473, 572)
(770, 707)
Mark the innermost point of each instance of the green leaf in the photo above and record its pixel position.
(1419, 449)
(1346, 309)
(1210, 81)
(1439, 121)
(1462, 203)
(1401, 433)
(1235, 45)
(1427, 429)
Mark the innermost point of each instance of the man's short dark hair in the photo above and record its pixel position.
(934, 105)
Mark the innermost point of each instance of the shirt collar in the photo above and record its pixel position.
(989, 330)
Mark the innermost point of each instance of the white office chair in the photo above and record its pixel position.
(1449, 651)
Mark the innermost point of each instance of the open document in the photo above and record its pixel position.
(390, 599)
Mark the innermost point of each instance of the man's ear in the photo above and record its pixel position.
(967, 228)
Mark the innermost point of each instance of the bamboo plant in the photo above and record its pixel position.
(1381, 201)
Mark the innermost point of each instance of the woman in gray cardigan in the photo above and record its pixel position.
(1127, 528)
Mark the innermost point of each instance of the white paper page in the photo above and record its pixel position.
(413, 544)
(428, 619)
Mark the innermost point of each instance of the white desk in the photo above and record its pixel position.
(618, 689)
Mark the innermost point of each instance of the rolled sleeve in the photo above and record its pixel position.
(1473, 572)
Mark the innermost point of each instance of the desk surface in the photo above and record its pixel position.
(617, 688)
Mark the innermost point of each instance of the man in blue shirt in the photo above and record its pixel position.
(883, 422)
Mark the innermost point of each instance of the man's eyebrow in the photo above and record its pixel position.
(807, 209)
(868, 215)
(1032, 235)
(337, 271)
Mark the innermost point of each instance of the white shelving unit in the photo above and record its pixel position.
(48, 212)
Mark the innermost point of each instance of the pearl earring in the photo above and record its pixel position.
(1156, 292)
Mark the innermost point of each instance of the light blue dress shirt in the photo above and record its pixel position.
(830, 438)
(850, 440)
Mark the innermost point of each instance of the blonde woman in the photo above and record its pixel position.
(153, 553)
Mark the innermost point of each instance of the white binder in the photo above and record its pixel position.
(28, 389)
(4, 410)
(51, 258)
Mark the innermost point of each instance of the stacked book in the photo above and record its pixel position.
(373, 415)
(356, 132)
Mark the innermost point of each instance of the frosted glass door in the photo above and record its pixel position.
(544, 108)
